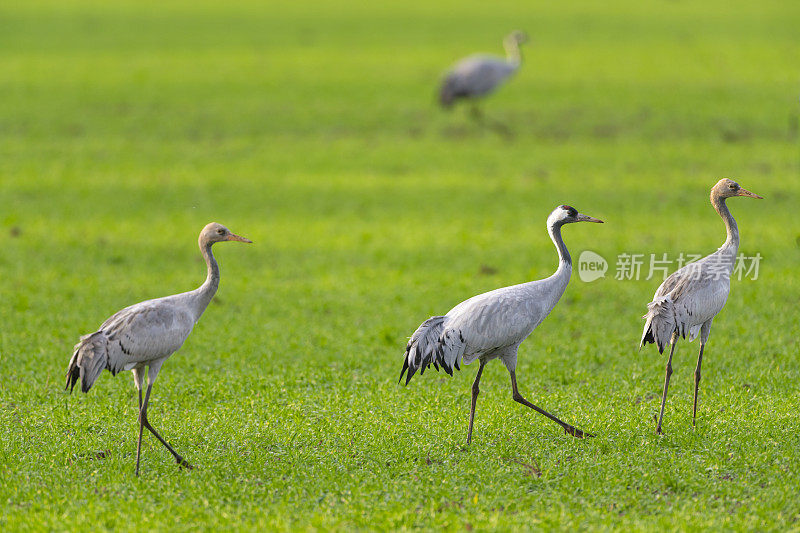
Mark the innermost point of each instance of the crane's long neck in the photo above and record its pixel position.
(732, 240)
(549, 290)
(207, 290)
(513, 52)
(564, 259)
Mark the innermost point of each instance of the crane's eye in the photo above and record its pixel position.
(221, 231)
(732, 186)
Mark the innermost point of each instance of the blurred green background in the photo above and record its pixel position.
(312, 129)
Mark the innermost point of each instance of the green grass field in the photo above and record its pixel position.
(312, 129)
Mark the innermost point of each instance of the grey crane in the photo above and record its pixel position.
(478, 75)
(144, 335)
(689, 299)
(493, 324)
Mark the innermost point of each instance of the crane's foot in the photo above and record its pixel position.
(183, 463)
(577, 433)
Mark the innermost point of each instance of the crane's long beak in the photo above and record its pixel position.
(234, 237)
(745, 192)
(587, 218)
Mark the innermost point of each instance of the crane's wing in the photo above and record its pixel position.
(475, 76)
(698, 301)
(688, 298)
(146, 331)
(503, 317)
(137, 334)
(493, 322)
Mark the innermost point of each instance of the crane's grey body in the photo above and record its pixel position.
(686, 303)
(142, 336)
(493, 324)
(475, 76)
(480, 74)
(690, 298)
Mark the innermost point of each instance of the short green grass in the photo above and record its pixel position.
(311, 128)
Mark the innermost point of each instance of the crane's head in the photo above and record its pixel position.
(566, 214)
(215, 232)
(517, 37)
(726, 188)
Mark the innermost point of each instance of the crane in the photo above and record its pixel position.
(144, 335)
(478, 75)
(493, 324)
(689, 299)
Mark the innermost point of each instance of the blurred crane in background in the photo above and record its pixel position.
(479, 75)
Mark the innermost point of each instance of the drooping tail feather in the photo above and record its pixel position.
(449, 91)
(88, 361)
(660, 323)
(431, 345)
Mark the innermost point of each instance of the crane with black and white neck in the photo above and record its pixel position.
(492, 325)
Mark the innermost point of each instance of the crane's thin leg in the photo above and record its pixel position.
(141, 428)
(475, 390)
(575, 432)
(697, 383)
(138, 379)
(143, 419)
(475, 112)
(492, 124)
(666, 382)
